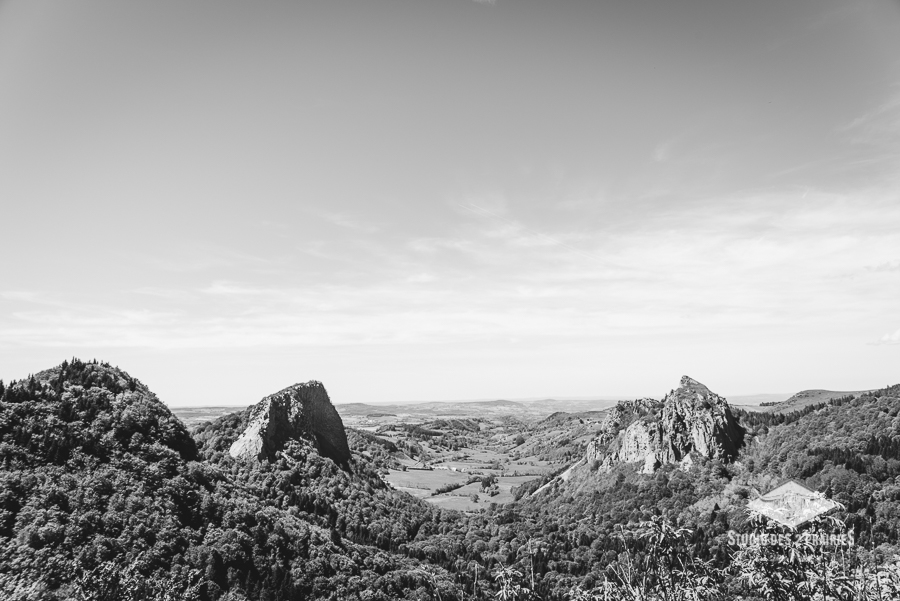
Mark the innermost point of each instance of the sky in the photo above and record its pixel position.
(423, 200)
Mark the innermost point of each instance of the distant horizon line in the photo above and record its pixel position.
(761, 397)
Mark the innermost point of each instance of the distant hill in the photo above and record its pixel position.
(804, 399)
(192, 416)
(571, 405)
(750, 401)
(531, 409)
(528, 408)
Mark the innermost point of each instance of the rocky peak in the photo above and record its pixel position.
(690, 420)
(299, 411)
(626, 412)
(690, 384)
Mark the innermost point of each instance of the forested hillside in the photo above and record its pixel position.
(105, 495)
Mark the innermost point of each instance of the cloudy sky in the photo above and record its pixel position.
(422, 200)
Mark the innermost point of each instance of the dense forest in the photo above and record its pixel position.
(105, 495)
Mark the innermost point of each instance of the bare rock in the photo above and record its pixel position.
(691, 420)
(301, 411)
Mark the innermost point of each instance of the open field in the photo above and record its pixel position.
(436, 445)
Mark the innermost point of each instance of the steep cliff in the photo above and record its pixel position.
(299, 411)
(689, 420)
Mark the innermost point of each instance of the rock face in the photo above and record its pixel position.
(689, 420)
(299, 411)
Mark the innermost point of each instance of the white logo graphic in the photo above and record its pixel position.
(791, 504)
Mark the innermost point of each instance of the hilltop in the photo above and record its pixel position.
(103, 489)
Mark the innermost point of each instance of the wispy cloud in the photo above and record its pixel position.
(890, 338)
(887, 266)
(168, 294)
(431, 245)
(878, 127)
(517, 234)
(771, 262)
(662, 152)
(202, 257)
(231, 289)
(348, 221)
(888, 108)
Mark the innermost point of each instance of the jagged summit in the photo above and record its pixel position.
(689, 383)
(696, 394)
(298, 411)
(690, 420)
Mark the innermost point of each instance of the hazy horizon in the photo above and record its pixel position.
(457, 199)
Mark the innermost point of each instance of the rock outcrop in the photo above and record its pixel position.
(299, 411)
(688, 421)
